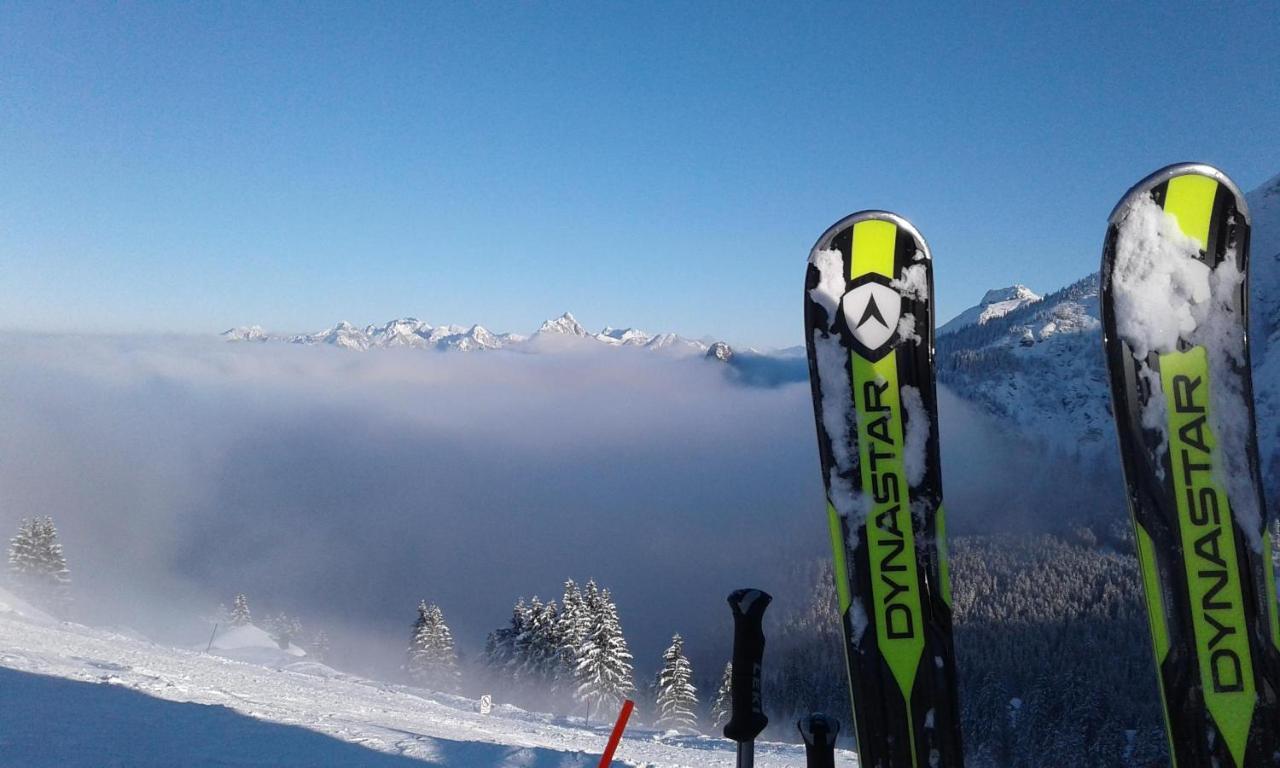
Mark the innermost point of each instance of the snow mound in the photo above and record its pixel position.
(253, 644)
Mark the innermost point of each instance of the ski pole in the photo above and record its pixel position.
(606, 759)
(819, 733)
(748, 718)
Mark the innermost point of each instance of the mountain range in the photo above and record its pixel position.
(1034, 362)
(417, 334)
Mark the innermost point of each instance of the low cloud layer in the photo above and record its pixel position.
(345, 486)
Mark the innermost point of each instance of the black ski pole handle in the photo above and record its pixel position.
(748, 718)
(819, 733)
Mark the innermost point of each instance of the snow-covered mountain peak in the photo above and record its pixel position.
(344, 335)
(995, 303)
(1012, 293)
(245, 333)
(565, 324)
(405, 332)
(623, 336)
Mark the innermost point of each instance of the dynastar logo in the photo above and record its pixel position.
(884, 470)
(895, 583)
(1208, 550)
(871, 310)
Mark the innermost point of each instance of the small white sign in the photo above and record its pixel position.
(486, 704)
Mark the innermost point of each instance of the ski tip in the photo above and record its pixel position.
(824, 242)
(1171, 171)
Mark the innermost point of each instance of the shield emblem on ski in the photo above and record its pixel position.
(869, 334)
(870, 312)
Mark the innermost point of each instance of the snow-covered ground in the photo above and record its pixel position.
(72, 695)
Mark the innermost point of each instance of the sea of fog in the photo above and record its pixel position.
(344, 487)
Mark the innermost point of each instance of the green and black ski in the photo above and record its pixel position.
(1174, 309)
(868, 309)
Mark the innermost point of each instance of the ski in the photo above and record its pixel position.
(1174, 298)
(868, 310)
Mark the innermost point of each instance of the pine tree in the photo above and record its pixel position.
(523, 668)
(432, 661)
(723, 705)
(240, 615)
(442, 657)
(542, 649)
(24, 559)
(572, 622)
(37, 562)
(677, 698)
(416, 664)
(604, 662)
(500, 646)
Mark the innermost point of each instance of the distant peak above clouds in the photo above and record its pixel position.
(565, 324)
(417, 334)
(995, 303)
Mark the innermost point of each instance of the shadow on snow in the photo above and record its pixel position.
(54, 721)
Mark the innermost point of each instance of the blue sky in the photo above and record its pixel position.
(173, 167)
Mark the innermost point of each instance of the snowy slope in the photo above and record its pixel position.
(1039, 366)
(79, 696)
(558, 333)
(995, 303)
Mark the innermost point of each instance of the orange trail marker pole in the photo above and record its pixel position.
(607, 758)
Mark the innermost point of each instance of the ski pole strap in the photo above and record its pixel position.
(748, 718)
(819, 733)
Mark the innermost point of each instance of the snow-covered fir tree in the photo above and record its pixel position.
(240, 615)
(37, 562)
(444, 656)
(573, 621)
(541, 651)
(416, 662)
(677, 698)
(522, 669)
(500, 646)
(604, 673)
(432, 661)
(723, 705)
